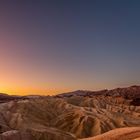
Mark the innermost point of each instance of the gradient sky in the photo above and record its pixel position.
(53, 46)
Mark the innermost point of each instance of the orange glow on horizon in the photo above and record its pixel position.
(23, 92)
(33, 91)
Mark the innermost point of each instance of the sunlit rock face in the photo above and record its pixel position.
(69, 117)
(127, 133)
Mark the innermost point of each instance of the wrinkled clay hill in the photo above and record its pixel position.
(77, 115)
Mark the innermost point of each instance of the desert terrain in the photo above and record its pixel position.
(80, 115)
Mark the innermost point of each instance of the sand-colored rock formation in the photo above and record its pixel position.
(67, 118)
(119, 134)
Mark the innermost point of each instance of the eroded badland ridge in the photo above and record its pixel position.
(101, 115)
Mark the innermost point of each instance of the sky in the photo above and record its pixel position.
(49, 47)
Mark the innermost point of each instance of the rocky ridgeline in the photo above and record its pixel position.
(130, 93)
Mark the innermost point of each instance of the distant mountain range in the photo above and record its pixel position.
(131, 92)
(128, 92)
